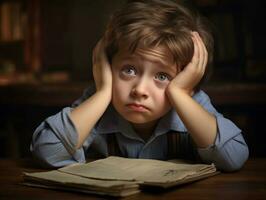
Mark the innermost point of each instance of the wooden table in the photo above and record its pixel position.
(248, 183)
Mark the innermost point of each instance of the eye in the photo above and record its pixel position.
(162, 77)
(129, 71)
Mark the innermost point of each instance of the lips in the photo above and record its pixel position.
(137, 107)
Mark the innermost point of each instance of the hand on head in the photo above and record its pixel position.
(191, 75)
(101, 67)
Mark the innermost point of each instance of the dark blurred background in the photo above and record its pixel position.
(45, 63)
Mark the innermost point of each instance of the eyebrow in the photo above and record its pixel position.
(159, 61)
(165, 65)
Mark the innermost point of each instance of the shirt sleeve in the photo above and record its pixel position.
(229, 151)
(54, 140)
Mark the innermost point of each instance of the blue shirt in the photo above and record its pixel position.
(55, 139)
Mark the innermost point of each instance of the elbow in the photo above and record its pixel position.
(51, 157)
(228, 158)
(43, 158)
(49, 152)
(231, 161)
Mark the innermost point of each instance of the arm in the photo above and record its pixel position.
(229, 151)
(53, 142)
(85, 116)
(57, 140)
(200, 123)
(218, 140)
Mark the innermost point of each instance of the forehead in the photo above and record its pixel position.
(159, 55)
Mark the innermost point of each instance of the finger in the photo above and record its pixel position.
(205, 53)
(205, 58)
(202, 52)
(195, 57)
(98, 52)
(95, 52)
(202, 42)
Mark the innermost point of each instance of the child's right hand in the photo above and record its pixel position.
(86, 115)
(101, 68)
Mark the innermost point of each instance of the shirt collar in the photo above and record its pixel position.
(108, 122)
(170, 122)
(112, 122)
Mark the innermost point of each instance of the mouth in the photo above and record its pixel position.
(137, 107)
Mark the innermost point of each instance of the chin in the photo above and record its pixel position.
(137, 119)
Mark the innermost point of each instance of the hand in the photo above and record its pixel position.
(191, 75)
(101, 67)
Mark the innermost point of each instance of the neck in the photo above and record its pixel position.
(145, 130)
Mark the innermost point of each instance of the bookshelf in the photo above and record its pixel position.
(59, 35)
(12, 35)
(239, 38)
(19, 40)
(58, 38)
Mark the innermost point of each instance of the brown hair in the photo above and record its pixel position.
(149, 23)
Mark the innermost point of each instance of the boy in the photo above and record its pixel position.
(147, 102)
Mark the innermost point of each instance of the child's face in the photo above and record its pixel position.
(139, 83)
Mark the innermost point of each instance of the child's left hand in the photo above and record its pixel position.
(191, 75)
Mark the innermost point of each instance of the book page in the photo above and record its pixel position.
(64, 178)
(145, 170)
(58, 180)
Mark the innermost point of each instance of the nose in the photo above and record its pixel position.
(139, 90)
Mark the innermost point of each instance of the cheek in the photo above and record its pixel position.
(161, 100)
(119, 89)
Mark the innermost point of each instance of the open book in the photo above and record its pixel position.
(117, 176)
